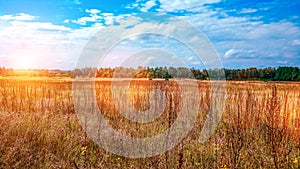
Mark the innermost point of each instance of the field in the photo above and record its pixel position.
(39, 128)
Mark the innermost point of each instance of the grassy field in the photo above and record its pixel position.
(260, 126)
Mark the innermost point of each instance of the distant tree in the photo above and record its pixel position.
(287, 74)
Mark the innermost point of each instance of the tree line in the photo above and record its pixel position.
(264, 74)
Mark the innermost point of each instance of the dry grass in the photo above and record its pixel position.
(260, 127)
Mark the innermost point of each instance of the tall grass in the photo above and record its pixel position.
(260, 127)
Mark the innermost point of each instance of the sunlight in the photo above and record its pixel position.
(24, 62)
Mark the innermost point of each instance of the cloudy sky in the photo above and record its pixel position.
(52, 34)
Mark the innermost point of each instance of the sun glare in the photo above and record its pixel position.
(24, 62)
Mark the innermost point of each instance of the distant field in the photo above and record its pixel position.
(260, 126)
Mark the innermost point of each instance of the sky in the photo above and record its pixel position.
(55, 34)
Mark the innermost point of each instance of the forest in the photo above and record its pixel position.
(263, 74)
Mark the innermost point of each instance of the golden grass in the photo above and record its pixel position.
(260, 127)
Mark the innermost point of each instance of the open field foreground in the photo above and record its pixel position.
(260, 125)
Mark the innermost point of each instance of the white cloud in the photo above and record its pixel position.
(109, 18)
(148, 5)
(123, 19)
(276, 30)
(39, 26)
(93, 17)
(235, 37)
(238, 36)
(177, 5)
(84, 20)
(92, 11)
(296, 42)
(248, 10)
(45, 44)
(67, 21)
(18, 17)
(170, 6)
(255, 38)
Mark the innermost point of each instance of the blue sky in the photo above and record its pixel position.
(52, 34)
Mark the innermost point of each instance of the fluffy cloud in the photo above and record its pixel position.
(33, 26)
(148, 5)
(93, 11)
(108, 18)
(171, 6)
(18, 17)
(237, 37)
(46, 45)
(93, 17)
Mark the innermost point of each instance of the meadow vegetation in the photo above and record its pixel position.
(260, 126)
